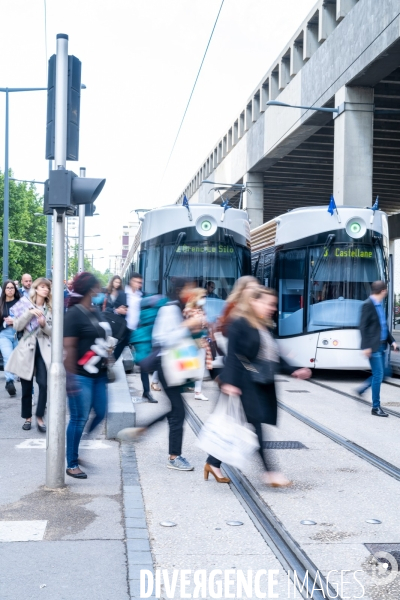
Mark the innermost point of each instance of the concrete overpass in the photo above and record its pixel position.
(346, 53)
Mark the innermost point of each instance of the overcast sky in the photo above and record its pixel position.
(139, 63)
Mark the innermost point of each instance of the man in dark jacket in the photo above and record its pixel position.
(375, 336)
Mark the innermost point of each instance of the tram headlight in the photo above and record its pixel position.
(206, 225)
(356, 228)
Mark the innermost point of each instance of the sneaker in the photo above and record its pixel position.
(200, 397)
(10, 387)
(180, 464)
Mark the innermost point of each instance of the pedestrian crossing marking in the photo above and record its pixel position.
(40, 444)
(22, 531)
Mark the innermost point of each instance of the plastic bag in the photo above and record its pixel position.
(226, 434)
(182, 363)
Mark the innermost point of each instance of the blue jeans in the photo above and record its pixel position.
(377, 362)
(8, 341)
(84, 393)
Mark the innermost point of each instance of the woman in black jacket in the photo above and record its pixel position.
(250, 340)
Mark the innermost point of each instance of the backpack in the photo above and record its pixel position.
(141, 338)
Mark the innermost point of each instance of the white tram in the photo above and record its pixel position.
(204, 242)
(322, 267)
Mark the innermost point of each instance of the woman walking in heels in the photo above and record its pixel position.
(250, 340)
(32, 356)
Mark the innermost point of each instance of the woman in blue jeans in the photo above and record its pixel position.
(86, 370)
(8, 336)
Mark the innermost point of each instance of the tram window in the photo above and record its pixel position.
(152, 270)
(339, 284)
(210, 262)
(290, 271)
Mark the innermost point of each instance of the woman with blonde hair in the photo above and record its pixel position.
(242, 285)
(250, 342)
(32, 356)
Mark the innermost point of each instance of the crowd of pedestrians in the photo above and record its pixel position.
(239, 351)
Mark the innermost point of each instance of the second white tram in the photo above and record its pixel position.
(322, 267)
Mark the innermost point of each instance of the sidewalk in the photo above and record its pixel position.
(63, 545)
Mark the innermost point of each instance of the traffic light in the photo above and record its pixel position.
(64, 190)
(90, 209)
(73, 108)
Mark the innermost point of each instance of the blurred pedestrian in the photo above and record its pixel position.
(86, 379)
(171, 328)
(114, 288)
(8, 336)
(32, 356)
(247, 282)
(250, 340)
(195, 307)
(134, 295)
(375, 337)
(26, 284)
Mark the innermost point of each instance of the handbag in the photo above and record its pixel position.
(110, 360)
(181, 363)
(261, 371)
(227, 435)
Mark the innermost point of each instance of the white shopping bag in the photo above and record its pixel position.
(226, 435)
(182, 363)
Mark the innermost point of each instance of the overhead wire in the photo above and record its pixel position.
(193, 88)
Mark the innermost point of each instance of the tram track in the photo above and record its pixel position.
(286, 549)
(394, 413)
(359, 451)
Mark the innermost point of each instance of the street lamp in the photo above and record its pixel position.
(6, 209)
(337, 110)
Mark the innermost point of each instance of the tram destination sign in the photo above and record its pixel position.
(349, 253)
(212, 249)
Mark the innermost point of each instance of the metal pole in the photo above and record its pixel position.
(56, 395)
(6, 200)
(81, 234)
(49, 238)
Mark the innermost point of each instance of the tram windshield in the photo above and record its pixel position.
(213, 266)
(339, 280)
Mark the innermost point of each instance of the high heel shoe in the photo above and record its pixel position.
(208, 470)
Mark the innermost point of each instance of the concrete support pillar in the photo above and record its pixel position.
(343, 7)
(284, 73)
(296, 59)
(327, 21)
(264, 95)
(254, 202)
(274, 85)
(353, 154)
(311, 43)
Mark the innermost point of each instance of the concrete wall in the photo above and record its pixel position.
(329, 50)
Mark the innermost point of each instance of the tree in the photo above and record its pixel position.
(23, 225)
(87, 265)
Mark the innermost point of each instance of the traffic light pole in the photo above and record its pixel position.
(56, 396)
(81, 234)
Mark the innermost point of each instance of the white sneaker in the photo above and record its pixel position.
(200, 397)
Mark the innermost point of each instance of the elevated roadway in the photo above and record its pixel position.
(345, 54)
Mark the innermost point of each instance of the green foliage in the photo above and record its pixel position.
(73, 268)
(23, 225)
